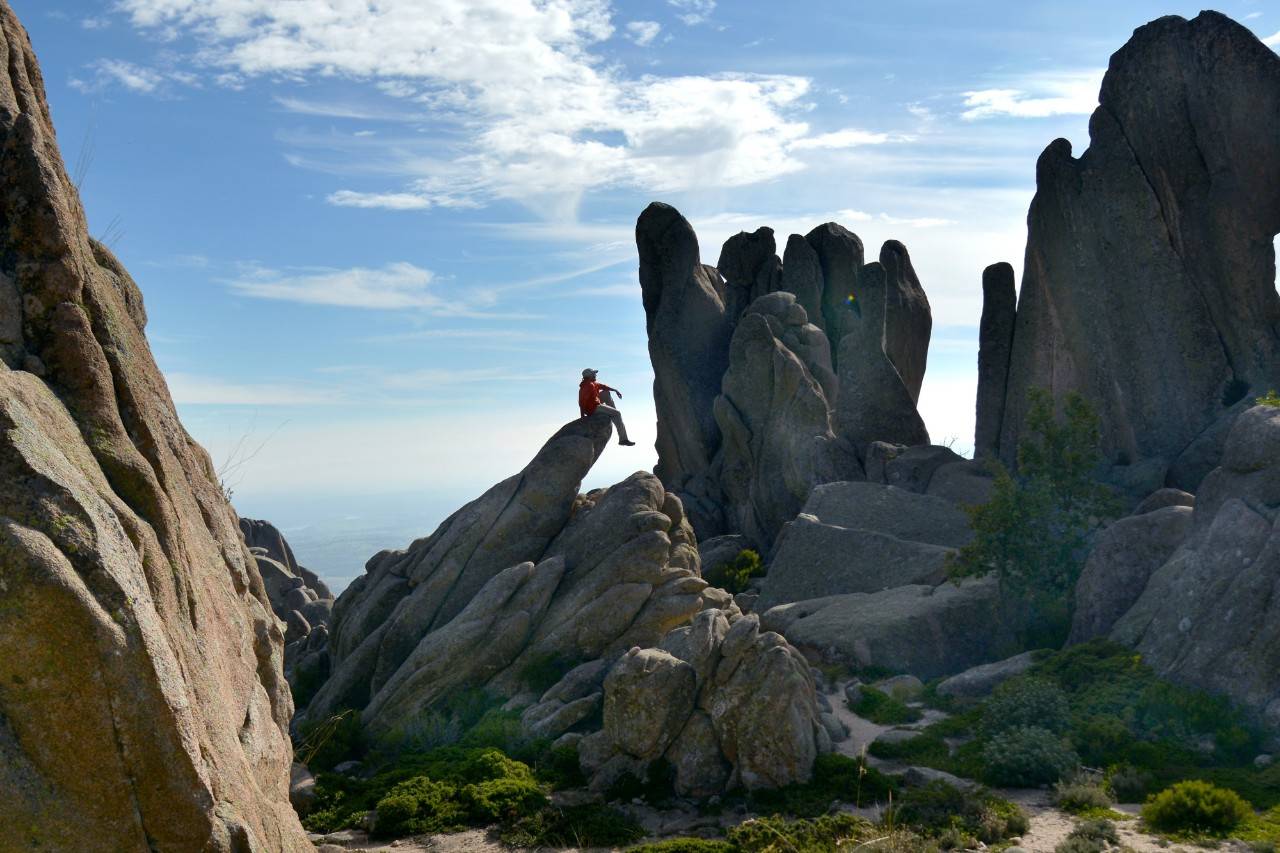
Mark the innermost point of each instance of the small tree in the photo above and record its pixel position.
(1033, 532)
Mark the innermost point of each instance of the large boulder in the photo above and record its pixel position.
(1149, 281)
(862, 537)
(925, 631)
(1210, 615)
(143, 704)
(908, 320)
(1122, 560)
(727, 705)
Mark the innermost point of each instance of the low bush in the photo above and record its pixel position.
(503, 799)
(835, 778)
(685, 845)
(560, 768)
(1128, 784)
(1090, 836)
(418, 806)
(736, 575)
(938, 807)
(573, 826)
(1080, 795)
(1196, 808)
(1025, 702)
(879, 707)
(816, 835)
(1025, 757)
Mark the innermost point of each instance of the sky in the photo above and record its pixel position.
(379, 239)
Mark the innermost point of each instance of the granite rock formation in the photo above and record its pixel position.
(1209, 616)
(1149, 280)
(606, 583)
(800, 364)
(299, 599)
(995, 344)
(143, 704)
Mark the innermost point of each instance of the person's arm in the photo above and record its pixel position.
(611, 390)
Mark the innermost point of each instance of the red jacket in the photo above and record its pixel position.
(589, 395)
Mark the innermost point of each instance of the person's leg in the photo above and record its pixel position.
(615, 416)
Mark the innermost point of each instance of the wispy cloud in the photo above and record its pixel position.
(1037, 96)
(847, 138)
(339, 109)
(643, 32)
(105, 72)
(397, 285)
(95, 23)
(382, 201)
(192, 389)
(693, 11)
(1272, 40)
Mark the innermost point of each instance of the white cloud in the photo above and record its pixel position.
(522, 107)
(693, 11)
(341, 110)
(847, 138)
(95, 23)
(397, 285)
(382, 201)
(1272, 40)
(1038, 96)
(643, 32)
(1253, 16)
(135, 78)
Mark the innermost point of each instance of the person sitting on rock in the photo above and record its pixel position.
(589, 402)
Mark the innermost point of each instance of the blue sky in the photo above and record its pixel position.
(379, 241)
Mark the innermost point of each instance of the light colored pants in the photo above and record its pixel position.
(607, 406)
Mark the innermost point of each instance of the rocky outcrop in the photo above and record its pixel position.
(299, 599)
(1123, 558)
(981, 680)
(689, 331)
(1149, 280)
(757, 345)
(995, 344)
(862, 537)
(926, 631)
(143, 706)
(1210, 615)
(608, 587)
(726, 705)
(774, 417)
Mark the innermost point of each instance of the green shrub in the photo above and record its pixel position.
(1025, 757)
(1269, 399)
(736, 575)
(835, 778)
(573, 826)
(1033, 532)
(1196, 808)
(1090, 836)
(418, 806)
(685, 845)
(928, 749)
(879, 707)
(938, 806)
(816, 835)
(1129, 784)
(560, 768)
(1080, 795)
(503, 799)
(1023, 702)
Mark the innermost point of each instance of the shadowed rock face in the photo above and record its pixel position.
(995, 342)
(1209, 615)
(143, 705)
(789, 410)
(1149, 282)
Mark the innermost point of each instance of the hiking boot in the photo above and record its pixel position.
(627, 443)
